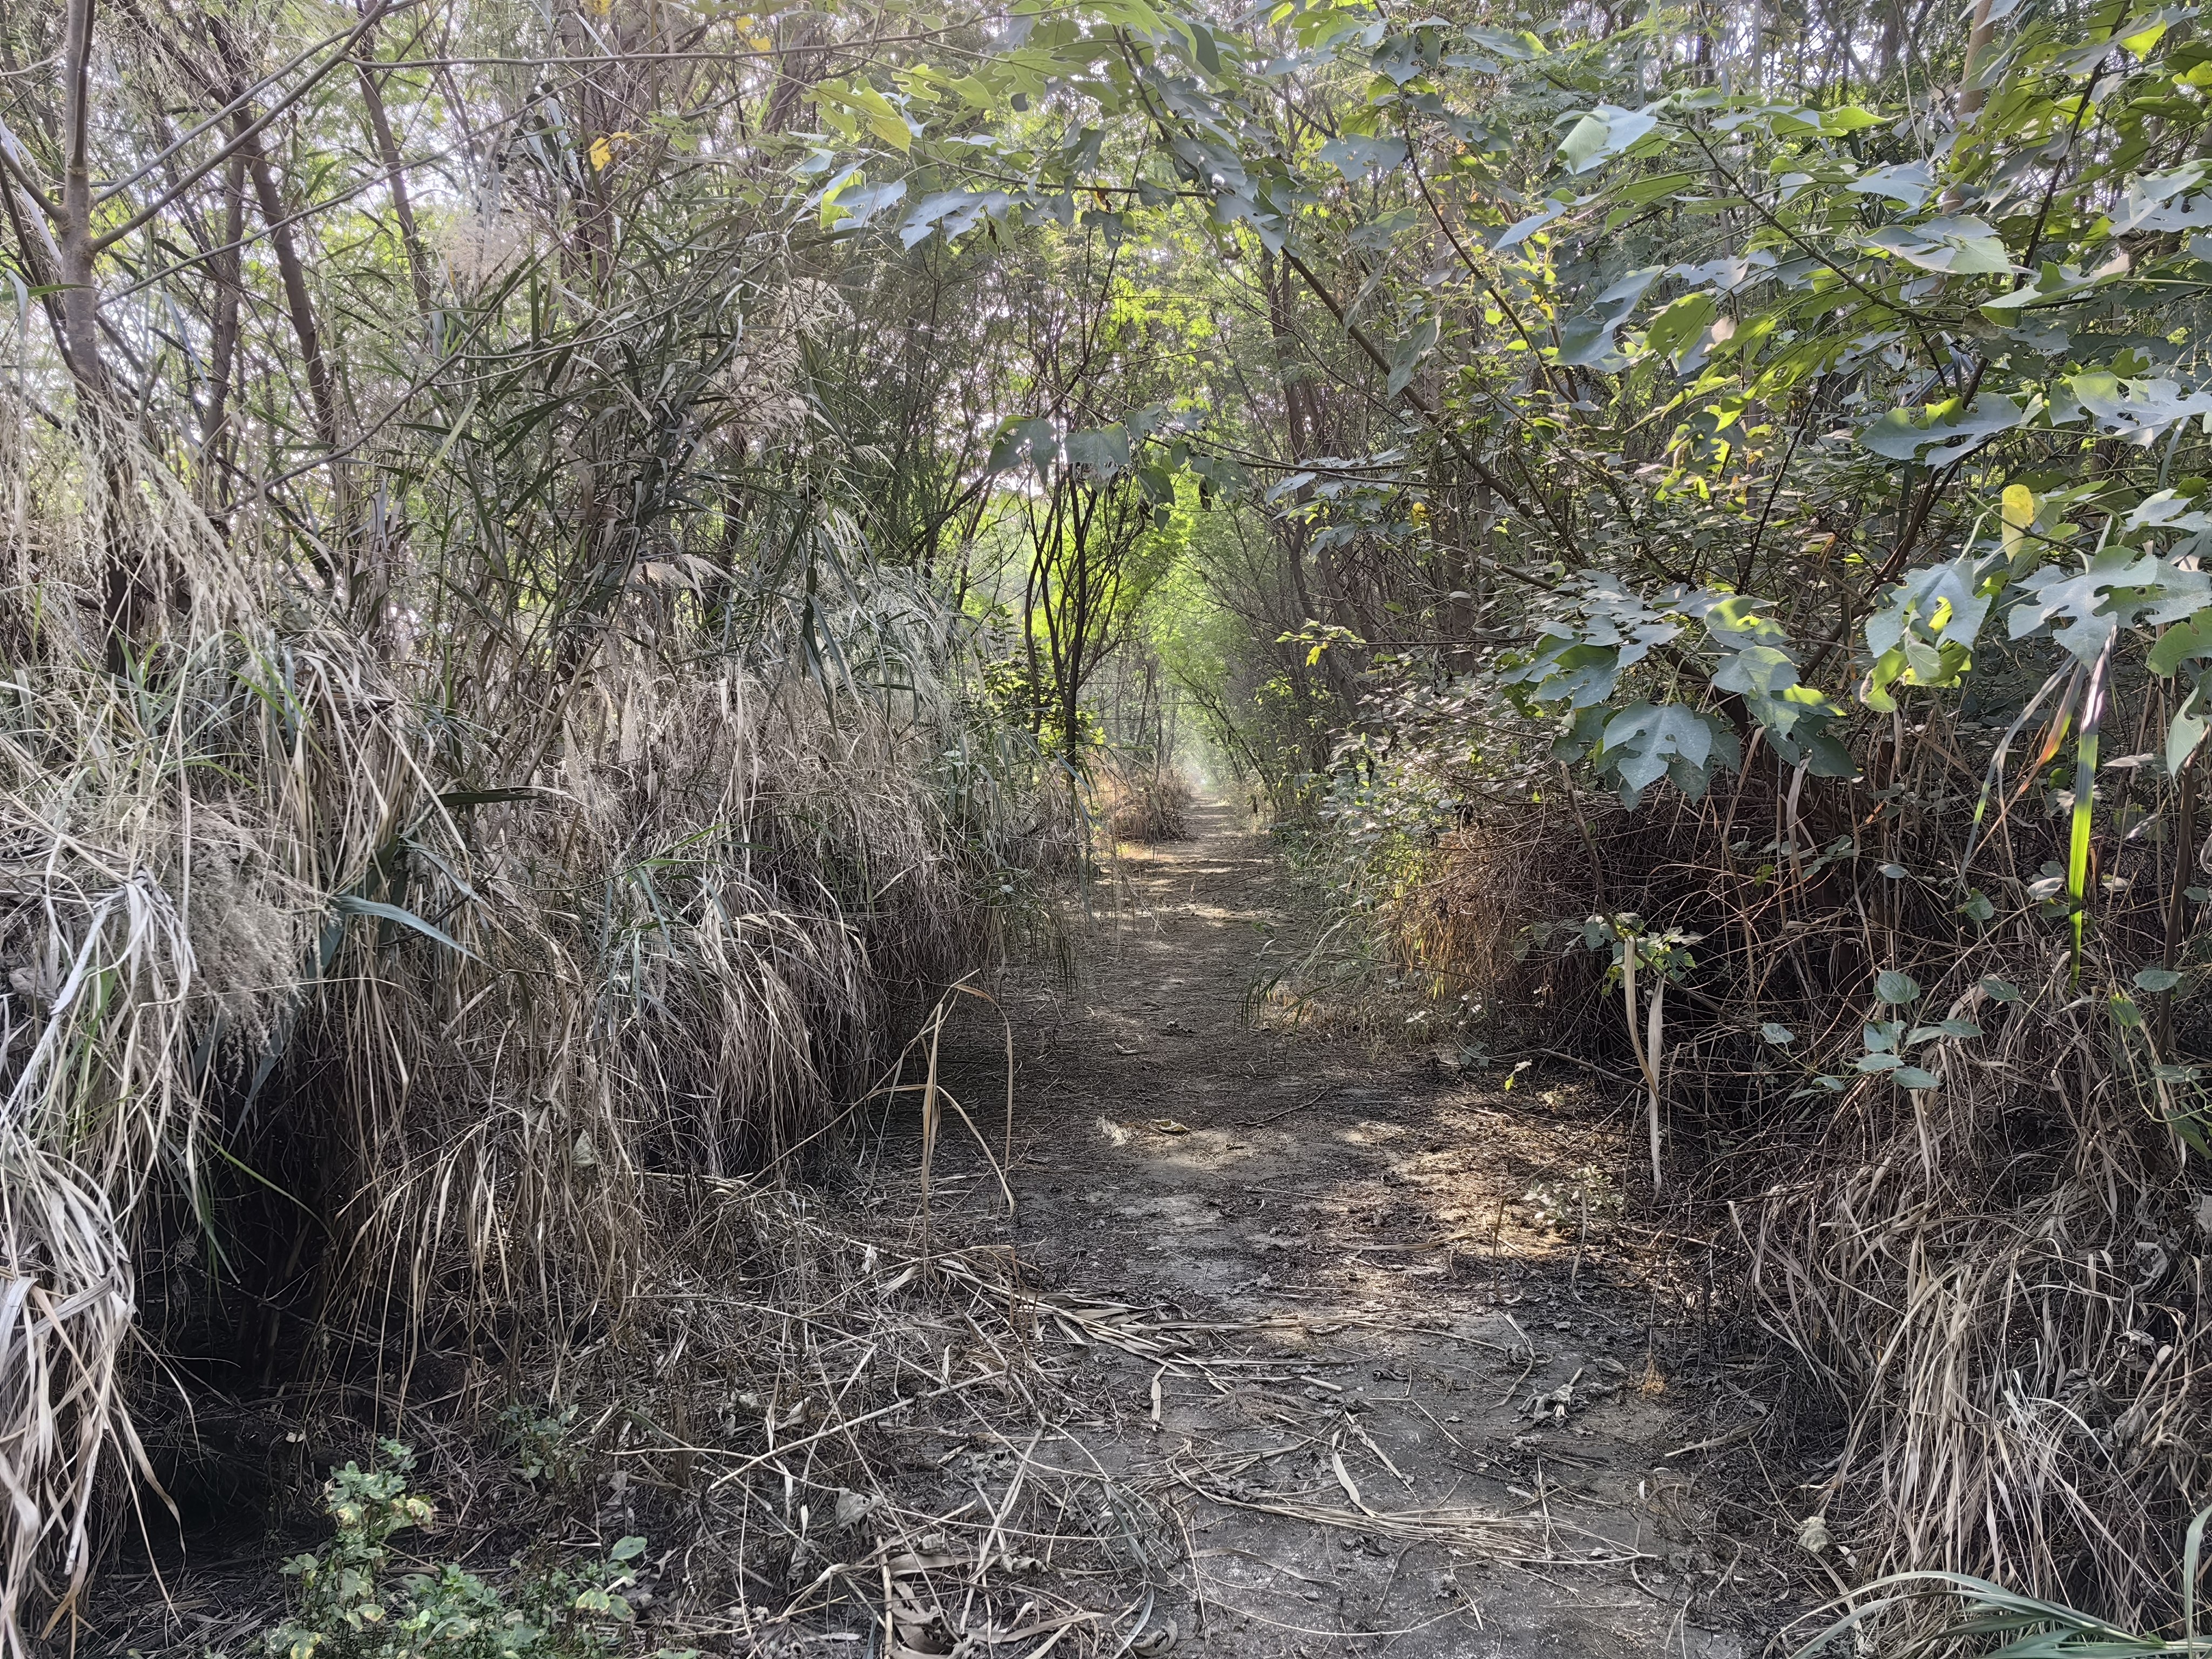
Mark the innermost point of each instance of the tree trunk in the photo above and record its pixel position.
(223, 357)
(80, 296)
(1970, 95)
(395, 173)
(322, 390)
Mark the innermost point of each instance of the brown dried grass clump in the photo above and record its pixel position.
(1997, 1288)
(1148, 809)
(2004, 1285)
(353, 1011)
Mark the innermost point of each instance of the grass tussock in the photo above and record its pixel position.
(1148, 808)
(364, 1000)
(1996, 1284)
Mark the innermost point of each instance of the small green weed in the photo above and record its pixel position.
(543, 1444)
(351, 1606)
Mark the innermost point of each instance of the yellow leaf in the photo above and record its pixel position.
(2141, 44)
(603, 154)
(761, 43)
(2019, 515)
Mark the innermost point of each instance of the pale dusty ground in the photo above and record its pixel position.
(1370, 1206)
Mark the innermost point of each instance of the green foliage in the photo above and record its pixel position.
(544, 1445)
(2035, 1628)
(351, 1604)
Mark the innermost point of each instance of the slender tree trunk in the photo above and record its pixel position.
(80, 296)
(1970, 95)
(322, 390)
(128, 589)
(2176, 900)
(223, 354)
(395, 173)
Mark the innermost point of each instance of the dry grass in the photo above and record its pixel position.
(345, 1021)
(1146, 807)
(1996, 1288)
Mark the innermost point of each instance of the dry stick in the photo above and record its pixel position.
(1646, 1059)
(2177, 899)
(967, 990)
(1658, 995)
(929, 1126)
(1261, 1122)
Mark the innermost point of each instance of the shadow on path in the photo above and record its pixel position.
(1313, 1318)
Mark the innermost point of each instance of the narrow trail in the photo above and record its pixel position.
(1335, 1309)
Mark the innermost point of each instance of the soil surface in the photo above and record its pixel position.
(1365, 1331)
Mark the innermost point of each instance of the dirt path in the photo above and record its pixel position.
(1354, 1460)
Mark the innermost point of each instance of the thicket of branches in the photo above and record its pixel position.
(1705, 510)
(564, 560)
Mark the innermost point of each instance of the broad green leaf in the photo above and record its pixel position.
(2137, 410)
(2186, 641)
(1680, 324)
(2166, 509)
(1907, 183)
(1359, 158)
(1924, 633)
(2186, 732)
(2119, 588)
(1955, 246)
(1943, 432)
(2143, 207)
(1911, 1077)
(2156, 979)
(1602, 134)
(1847, 118)
(1517, 46)
(2000, 990)
(1587, 339)
(1650, 741)
(1896, 988)
(1781, 1035)
(854, 207)
(1521, 230)
(1104, 450)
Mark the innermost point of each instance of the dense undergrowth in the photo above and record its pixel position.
(573, 570)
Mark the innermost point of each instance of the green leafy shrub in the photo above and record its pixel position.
(351, 1606)
(543, 1444)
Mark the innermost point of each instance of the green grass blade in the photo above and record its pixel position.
(2085, 797)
